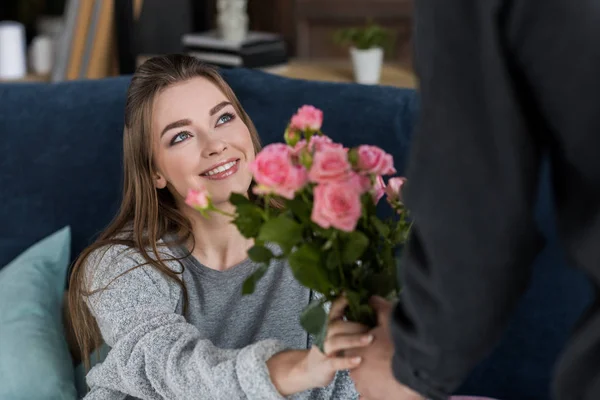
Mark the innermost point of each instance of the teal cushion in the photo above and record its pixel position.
(96, 357)
(34, 357)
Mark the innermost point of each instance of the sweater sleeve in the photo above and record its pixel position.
(155, 353)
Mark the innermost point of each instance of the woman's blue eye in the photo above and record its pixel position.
(225, 118)
(180, 137)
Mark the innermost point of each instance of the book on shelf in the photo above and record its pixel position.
(85, 48)
(257, 50)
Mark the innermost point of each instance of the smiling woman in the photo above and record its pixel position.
(161, 286)
(202, 135)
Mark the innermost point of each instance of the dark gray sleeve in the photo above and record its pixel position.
(556, 50)
(472, 183)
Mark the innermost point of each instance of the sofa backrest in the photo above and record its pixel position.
(61, 147)
(60, 163)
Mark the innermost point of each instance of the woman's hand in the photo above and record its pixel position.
(341, 335)
(298, 370)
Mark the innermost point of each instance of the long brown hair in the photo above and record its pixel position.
(146, 214)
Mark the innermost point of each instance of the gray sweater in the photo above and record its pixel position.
(216, 351)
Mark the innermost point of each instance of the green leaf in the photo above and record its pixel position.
(313, 318)
(308, 269)
(260, 254)
(357, 275)
(238, 199)
(365, 37)
(333, 260)
(329, 233)
(380, 226)
(327, 245)
(401, 232)
(387, 256)
(314, 321)
(359, 309)
(248, 220)
(299, 208)
(354, 247)
(382, 284)
(282, 230)
(250, 282)
(397, 235)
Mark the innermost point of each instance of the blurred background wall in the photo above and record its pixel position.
(108, 37)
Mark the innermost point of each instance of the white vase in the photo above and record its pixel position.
(13, 63)
(367, 65)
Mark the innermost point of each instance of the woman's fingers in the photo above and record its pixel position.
(343, 335)
(340, 327)
(341, 363)
(335, 344)
(337, 309)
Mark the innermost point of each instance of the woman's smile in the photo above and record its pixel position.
(222, 170)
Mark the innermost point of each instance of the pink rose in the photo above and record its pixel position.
(301, 145)
(378, 189)
(336, 205)
(274, 171)
(394, 189)
(319, 142)
(307, 117)
(373, 160)
(330, 165)
(361, 183)
(198, 199)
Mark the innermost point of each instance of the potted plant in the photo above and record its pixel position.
(367, 45)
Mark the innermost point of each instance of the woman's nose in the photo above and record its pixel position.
(213, 147)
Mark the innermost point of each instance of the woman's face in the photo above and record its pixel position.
(200, 141)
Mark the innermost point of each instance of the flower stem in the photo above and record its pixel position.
(340, 267)
(304, 196)
(266, 205)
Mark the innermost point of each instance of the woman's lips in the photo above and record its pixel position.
(224, 174)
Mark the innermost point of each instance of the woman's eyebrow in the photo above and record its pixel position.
(176, 124)
(219, 106)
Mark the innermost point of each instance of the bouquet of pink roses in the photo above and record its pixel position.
(326, 224)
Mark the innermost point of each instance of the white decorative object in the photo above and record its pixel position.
(41, 54)
(13, 63)
(232, 19)
(367, 65)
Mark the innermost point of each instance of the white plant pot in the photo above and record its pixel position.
(367, 65)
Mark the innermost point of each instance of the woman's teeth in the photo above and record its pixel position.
(222, 168)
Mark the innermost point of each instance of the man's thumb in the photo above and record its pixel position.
(382, 307)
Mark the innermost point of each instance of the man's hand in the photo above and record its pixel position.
(374, 379)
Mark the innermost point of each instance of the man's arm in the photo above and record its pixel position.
(471, 191)
(556, 48)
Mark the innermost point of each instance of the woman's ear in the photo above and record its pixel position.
(159, 181)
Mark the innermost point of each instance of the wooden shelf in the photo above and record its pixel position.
(341, 71)
(28, 78)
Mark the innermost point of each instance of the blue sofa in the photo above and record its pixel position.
(60, 164)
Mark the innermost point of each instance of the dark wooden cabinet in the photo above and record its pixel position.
(317, 20)
(308, 25)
